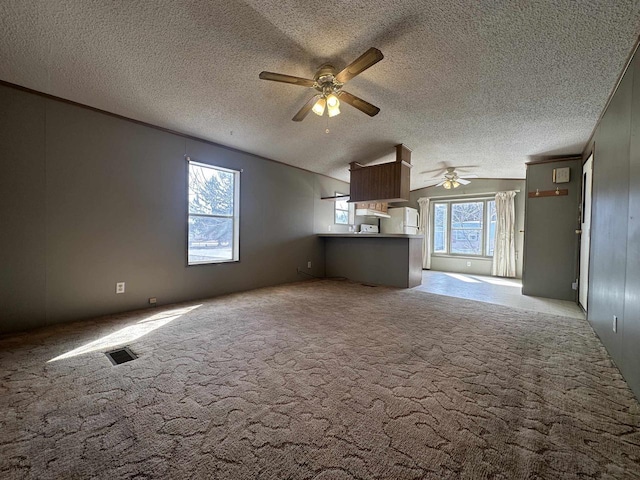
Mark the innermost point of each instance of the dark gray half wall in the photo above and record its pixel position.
(90, 199)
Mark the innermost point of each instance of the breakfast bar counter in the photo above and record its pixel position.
(393, 260)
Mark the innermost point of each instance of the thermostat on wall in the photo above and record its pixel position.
(561, 175)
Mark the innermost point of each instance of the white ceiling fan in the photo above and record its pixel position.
(452, 179)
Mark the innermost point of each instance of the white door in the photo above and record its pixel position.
(585, 226)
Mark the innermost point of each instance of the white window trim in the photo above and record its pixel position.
(485, 224)
(235, 248)
(350, 211)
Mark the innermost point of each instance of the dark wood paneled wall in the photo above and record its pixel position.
(614, 271)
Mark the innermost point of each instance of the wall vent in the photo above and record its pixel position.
(121, 355)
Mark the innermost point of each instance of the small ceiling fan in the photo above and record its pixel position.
(328, 82)
(453, 180)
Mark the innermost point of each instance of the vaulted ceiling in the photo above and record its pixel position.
(488, 84)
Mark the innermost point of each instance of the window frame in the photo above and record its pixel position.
(235, 216)
(449, 233)
(349, 211)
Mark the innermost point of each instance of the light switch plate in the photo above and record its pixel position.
(561, 175)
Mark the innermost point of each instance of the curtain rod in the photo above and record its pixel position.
(463, 195)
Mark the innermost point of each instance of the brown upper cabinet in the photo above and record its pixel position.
(386, 182)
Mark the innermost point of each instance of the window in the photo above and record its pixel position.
(440, 228)
(491, 226)
(342, 212)
(464, 228)
(214, 201)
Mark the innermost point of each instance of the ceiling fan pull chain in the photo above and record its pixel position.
(327, 130)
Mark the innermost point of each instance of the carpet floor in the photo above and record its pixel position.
(318, 380)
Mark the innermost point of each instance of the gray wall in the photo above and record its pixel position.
(22, 210)
(324, 209)
(614, 271)
(89, 199)
(479, 266)
(551, 243)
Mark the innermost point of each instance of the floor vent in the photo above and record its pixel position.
(122, 355)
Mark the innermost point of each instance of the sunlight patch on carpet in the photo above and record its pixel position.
(504, 282)
(462, 278)
(128, 334)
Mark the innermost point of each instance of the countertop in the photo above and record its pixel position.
(369, 235)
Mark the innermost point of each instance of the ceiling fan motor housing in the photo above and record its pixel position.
(325, 79)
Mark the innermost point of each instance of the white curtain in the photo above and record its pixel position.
(504, 252)
(425, 229)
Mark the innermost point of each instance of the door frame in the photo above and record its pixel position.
(583, 201)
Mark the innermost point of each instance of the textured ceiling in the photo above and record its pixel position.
(486, 84)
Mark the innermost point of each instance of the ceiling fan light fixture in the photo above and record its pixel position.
(333, 105)
(333, 111)
(447, 184)
(455, 184)
(318, 108)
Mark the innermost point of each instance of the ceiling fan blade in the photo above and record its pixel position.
(435, 173)
(441, 183)
(360, 64)
(442, 170)
(304, 111)
(429, 183)
(279, 77)
(473, 175)
(462, 181)
(358, 103)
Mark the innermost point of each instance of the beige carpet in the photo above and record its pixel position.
(322, 380)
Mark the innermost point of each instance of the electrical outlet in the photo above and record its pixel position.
(468, 264)
(120, 287)
(329, 228)
(153, 300)
(615, 324)
(309, 264)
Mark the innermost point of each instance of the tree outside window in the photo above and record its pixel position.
(440, 228)
(341, 210)
(213, 214)
(464, 228)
